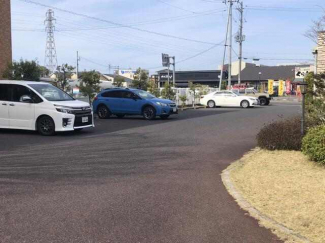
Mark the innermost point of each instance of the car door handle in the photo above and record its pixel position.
(12, 104)
(4, 104)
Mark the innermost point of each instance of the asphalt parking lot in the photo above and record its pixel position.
(12, 139)
(131, 180)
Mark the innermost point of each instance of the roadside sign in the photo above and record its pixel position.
(270, 86)
(75, 91)
(288, 87)
(281, 87)
(302, 72)
(165, 60)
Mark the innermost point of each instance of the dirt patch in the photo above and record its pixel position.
(286, 187)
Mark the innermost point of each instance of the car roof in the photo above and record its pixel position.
(118, 89)
(20, 82)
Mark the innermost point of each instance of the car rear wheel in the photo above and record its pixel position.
(164, 117)
(149, 113)
(103, 112)
(46, 126)
(244, 104)
(211, 104)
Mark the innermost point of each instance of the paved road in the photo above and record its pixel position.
(131, 180)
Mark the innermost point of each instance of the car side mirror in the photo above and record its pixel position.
(135, 97)
(26, 99)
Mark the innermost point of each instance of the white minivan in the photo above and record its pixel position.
(41, 107)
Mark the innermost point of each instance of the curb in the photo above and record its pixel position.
(253, 212)
(192, 108)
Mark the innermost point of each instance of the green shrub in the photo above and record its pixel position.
(313, 144)
(281, 135)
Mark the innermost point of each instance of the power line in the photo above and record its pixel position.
(286, 9)
(200, 53)
(156, 21)
(115, 23)
(174, 6)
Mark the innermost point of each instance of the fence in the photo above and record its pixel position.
(191, 100)
(191, 97)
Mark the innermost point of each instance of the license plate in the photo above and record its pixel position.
(174, 109)
(84, 119)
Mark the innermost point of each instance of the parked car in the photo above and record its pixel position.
(228, 98)
(263, 97)
(121, 102)
(41, 107)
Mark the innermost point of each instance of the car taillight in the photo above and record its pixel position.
(96, 98)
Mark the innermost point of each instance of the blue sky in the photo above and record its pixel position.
(274, 32)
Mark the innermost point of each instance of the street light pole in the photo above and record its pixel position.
(174, 78)
(303, 88)
(303, 116)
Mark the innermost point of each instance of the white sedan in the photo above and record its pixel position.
(228, 98)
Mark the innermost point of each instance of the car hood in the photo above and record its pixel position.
(71, 103)
(165, 101)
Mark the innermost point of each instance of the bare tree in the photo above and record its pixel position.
(318, 26)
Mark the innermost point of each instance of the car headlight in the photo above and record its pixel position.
(161, 104)
(63, 110)
(252, 99)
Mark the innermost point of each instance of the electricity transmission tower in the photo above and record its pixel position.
(51, 61)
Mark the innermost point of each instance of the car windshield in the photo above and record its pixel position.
(144, 94)
(51, 93)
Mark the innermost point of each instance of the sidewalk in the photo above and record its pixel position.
(293, 99)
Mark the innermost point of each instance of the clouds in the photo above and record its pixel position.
(274, 31)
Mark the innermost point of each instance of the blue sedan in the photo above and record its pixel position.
(121, 102)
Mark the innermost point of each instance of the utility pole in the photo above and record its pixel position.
(224, 52)
(110, 67)
(230, 44)
(240, 38)
(78, 59)
(51, 61)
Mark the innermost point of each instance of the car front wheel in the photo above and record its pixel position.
(244, 104)
(46, 126)
(149, 113)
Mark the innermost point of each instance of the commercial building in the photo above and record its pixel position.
(5, 35)
(182, 78)
(129, 73)
(253, 75)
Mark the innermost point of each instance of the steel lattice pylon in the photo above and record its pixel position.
(51, 61)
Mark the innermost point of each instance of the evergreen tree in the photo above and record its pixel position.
(141, 79)
(89, 85)
(23, 70)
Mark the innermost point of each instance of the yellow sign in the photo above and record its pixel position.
(281, 87)
(270, 87)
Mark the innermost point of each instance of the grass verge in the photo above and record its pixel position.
(286, 187)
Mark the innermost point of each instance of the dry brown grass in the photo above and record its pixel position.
(287, 187)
